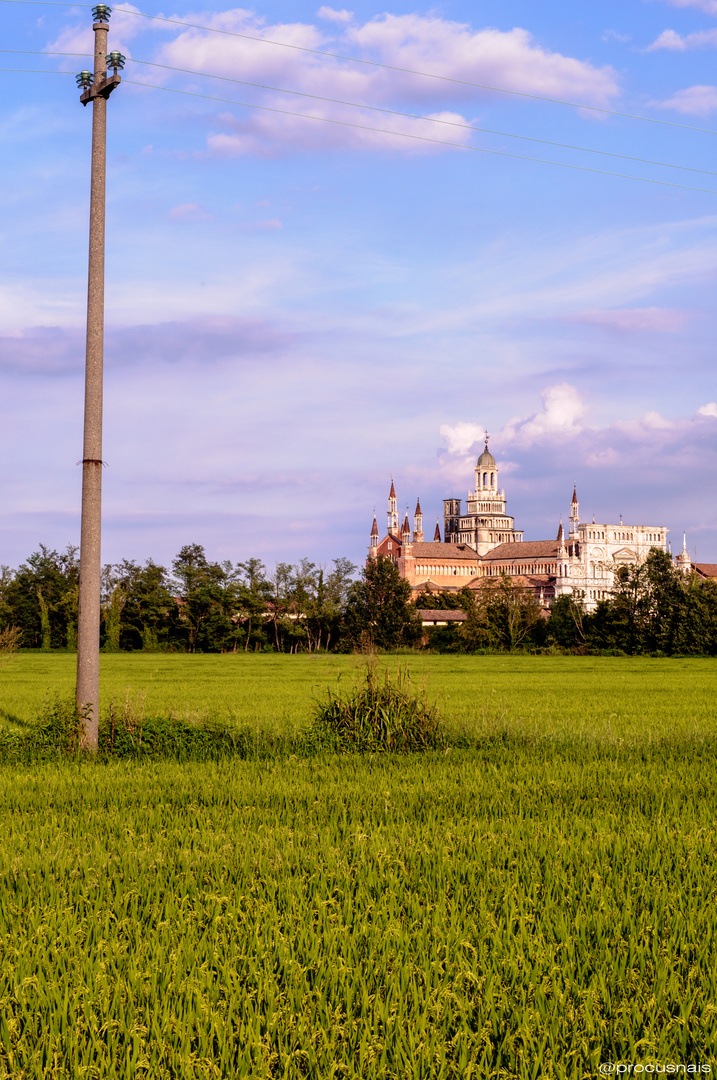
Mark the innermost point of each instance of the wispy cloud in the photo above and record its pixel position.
(635, 320)
(330, 13)
(694, 100)
(670, 39)
(708, 6)
(189, 212)
(203, 339)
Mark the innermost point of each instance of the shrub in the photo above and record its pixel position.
(378, 714)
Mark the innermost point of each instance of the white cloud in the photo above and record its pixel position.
(563, 414)
(654, 422)
(710, 409)
(460, 437)
(508, 59)
(81, 38)
(330, 13)
(631, 320)
(669, 39)
(454, 51)
(694, 100)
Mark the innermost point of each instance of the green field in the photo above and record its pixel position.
(532, 905)
(610, 698)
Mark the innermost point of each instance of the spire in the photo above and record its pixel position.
(406, 528)
(560, 537)
(437, 534)
(392, 510)
(418, 524)
(373, 545)
(574, 513)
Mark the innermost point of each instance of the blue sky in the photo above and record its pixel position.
(297, 309)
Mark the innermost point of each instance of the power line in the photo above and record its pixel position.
(422, 138)
(398, 134)
(389, 112)
(376, 63)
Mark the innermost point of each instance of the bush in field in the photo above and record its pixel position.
(379, 713)
(10, 639)
(56, 735)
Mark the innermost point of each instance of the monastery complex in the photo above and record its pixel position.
(482, 542)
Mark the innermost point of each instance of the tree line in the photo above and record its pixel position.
(197, 605)
(654, 609)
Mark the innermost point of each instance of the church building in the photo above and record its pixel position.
(483, 543)
(485, 522)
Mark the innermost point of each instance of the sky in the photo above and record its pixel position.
(299, 307)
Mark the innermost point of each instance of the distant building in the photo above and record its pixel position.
(485, 522)
(482, 542)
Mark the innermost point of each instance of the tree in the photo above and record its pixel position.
(41, 599)
(253, 596)
(568, 624)
(379, 611)
(647, 608)
(503, 616)
(205, 602)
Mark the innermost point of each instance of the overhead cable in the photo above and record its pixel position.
(390, 112)
(378, 64)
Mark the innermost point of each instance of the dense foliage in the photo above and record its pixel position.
(203, 606)
(196, 606)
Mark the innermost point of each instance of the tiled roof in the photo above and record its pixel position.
(528, 549)
(442, 615)
(707, 569)
(437, 550)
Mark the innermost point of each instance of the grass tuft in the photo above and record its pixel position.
(380, 713)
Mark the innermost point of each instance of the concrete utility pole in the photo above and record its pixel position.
(97, 88)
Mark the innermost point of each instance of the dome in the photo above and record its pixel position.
(486, 460)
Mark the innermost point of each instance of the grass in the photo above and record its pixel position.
(537, 898)
(609, 698)
(513, 912)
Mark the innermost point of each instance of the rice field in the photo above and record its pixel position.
(533, 905)
(593, 697)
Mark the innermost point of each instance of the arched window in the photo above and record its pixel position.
(492, 479)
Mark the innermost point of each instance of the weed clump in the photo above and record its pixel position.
(379, 714)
